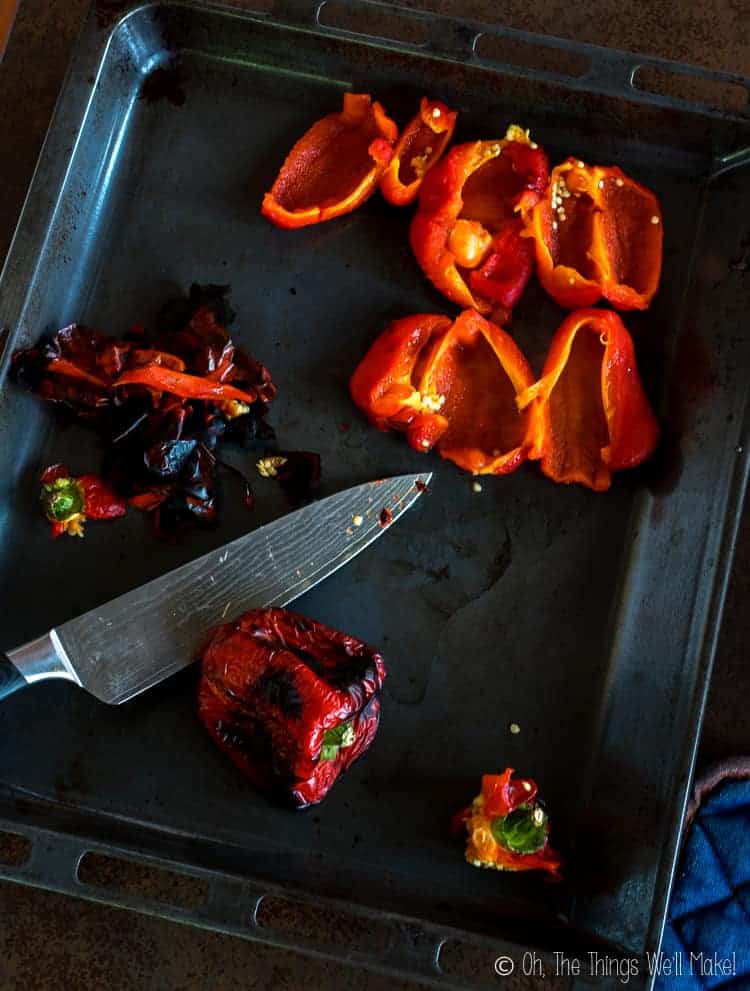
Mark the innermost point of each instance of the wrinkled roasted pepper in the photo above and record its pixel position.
(292, 702)
(508, 828)
(334, 167)
(421, 145)
(597, 233)
(68, 502)
(589, 413)
(450, 384)
(467, 232)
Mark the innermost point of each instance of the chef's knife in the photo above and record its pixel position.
(135, 641)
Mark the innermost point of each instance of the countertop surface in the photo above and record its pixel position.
(49, 941)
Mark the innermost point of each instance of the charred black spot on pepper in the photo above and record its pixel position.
(279, 689)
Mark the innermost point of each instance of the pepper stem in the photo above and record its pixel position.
(524, 830)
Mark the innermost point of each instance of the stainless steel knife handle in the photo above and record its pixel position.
(36, 660)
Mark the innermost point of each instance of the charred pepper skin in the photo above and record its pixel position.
(449, 384)
(273, 685)
(420, 146)
(162, 402)
(468, 231)
(334, 167)
(589, 414)
(597, 234)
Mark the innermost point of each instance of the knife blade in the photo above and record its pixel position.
(120, 649)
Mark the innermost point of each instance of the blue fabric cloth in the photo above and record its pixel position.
(707, 938)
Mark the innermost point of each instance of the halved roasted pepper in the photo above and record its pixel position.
(421, 145)
(467, 232)
(453, 384)
(589, 413)
(597, 233)
(334, 167)
(507, 827)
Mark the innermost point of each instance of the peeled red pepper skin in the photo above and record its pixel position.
(597, 234)
(467, 232)
(334, 167)
(160, 378)
(448, 384)
(272, 684)
(419, 148)
(589, 415)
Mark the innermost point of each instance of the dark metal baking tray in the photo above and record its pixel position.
(589, 620)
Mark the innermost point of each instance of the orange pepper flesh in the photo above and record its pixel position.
(448, 384)
(589, 413)
(597, 233)
(334, 167)
(467, 232)
(421, 145)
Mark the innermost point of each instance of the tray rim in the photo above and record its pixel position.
(47, 186)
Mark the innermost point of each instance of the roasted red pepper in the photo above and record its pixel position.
(589, 413)
(467, 232)
(421, 145)
(292, 702)
(508, 829)
(453, 384)
(68, 502)
(597, 233)
(334, 167)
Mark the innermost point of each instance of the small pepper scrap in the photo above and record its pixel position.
(421, 145)
(597, 233)
(467, 232)
(68, 501)
(450, 384)
(334, 167)
(589, 413)
(508, 828)
(291, 702)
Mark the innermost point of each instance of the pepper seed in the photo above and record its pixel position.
(515, 729)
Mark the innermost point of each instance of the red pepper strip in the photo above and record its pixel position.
(61, 366)
(466, 234)
(163, 379)
(334, 167)
(292, 702)
(597, 233)
(421, 145)
(454, 385)
(589, 414)
(501, 794)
